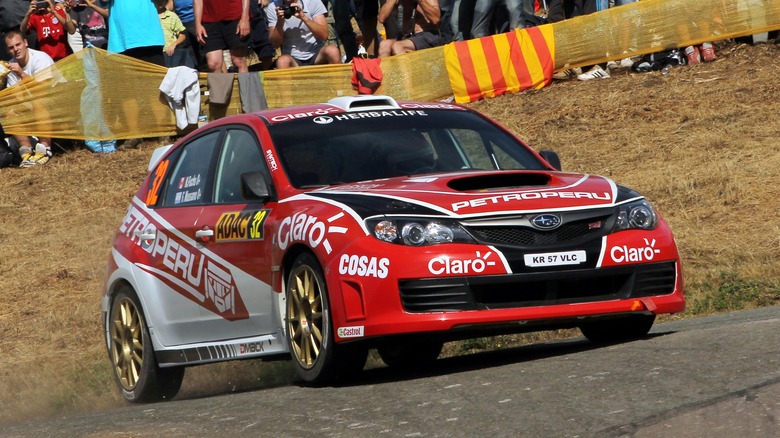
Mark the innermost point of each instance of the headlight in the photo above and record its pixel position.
(416, 232)
(638, 215)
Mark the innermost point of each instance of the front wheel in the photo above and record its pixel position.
(624, 328)
(132, 356)
(309, 328)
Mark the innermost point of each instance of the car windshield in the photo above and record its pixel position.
(346, 148)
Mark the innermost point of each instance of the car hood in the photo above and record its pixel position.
(466, 194)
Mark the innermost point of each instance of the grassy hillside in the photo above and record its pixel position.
(701, 143)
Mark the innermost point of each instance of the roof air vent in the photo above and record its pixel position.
(364, 103)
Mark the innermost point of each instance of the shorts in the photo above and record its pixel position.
(425, 40)
(222, 35)
(153, 54)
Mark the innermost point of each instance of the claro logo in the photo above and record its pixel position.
(302, 227)
(621, 254)
(447, 265)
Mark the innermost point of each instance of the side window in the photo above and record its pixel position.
(186, 183)
(240, 154)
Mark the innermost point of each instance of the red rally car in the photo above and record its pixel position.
(322, 231)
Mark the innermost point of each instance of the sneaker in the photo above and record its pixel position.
(25, 152)
(626, 63)
(707, 52)
(692, 55)
(568, 73)
(595, 73)
(41, 156)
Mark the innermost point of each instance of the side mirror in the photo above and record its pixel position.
(551, 158)
(254, 187)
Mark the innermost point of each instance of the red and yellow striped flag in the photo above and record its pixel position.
(494, 65)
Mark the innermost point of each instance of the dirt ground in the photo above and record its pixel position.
(701, 143)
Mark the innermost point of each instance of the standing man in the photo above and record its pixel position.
(220, 25)
(51, 22)
(26, 62)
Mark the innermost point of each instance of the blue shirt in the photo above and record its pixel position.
(133, 24)
(183, 9)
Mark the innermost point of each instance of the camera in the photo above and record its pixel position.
(41, 5)
(290, 10)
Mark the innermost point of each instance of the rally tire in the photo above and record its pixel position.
(135, 368)
(317, 358)
(410, 355)
(624, 328)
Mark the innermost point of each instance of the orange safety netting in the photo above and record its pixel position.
(98, 95)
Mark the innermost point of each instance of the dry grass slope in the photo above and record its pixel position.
(701, 143)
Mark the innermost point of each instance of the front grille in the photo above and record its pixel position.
(537, 289)
(526, 236)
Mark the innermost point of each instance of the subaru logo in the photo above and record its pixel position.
(546, 221)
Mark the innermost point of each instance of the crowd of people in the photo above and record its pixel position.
(204, 34)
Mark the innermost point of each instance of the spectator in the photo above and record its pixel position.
(51, 22)
(89, 17)
(259, 41)
(461, 18)
(520, 13)
(175, 54)
(365, 13)
(134, 30)
(220, 25)
(420, 26)
(184, 9)
(26, 62)
(299, 28)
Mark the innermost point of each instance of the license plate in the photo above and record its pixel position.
(555, 258)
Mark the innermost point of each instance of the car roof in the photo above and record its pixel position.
(347, 104)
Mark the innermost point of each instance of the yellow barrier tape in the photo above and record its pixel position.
(98, 95)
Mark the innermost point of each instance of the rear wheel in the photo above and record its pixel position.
(411, 354)
(132, 356)
(318, 359)
(620, 329)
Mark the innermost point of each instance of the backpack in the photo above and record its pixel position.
(9, 153)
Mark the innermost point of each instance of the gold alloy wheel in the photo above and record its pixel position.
(127, 352)
(304, 316)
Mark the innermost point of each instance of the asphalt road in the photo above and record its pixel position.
(706, 377)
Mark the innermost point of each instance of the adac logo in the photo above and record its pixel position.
(241, 225)
(546, 221)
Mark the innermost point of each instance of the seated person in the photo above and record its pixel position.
(420, 28)
(299, 28)
(26, 62)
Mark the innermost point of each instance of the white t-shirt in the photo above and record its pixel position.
(298, 41)
(38, 61)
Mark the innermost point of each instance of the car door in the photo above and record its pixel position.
(238, 271)
(172, 280)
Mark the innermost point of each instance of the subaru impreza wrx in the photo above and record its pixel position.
(320, 232)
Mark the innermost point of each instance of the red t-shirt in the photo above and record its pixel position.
(52, 36)
(221, 10)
